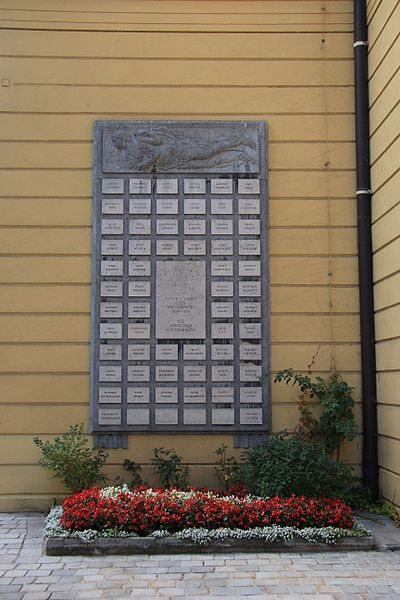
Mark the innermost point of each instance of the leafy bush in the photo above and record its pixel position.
(169, 468)
(286, 464)
(145, 511)
(225, 467)
(69, 456)
(359, 498)
(336, 421)
(134, 468)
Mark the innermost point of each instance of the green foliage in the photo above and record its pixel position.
(169, 468)
(360, 498)
(287, 464)
(134, 468)
(336, 421)
(226, 467)
(69, 456)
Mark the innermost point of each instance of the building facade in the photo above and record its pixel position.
(289, 63)
(384, 63)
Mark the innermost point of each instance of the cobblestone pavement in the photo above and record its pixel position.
(26, 574)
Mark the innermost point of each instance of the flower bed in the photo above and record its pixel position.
(202, 517)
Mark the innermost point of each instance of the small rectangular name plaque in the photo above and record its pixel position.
(140, 206)
(180, 315)
(140, 186)
(194, 186)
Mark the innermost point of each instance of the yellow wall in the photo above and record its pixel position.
(65, 64)
(384, 74)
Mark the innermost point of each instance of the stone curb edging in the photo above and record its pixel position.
(152, 545)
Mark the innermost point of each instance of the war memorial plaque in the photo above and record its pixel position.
(179, 301)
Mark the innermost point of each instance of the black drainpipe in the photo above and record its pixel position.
(368, 367)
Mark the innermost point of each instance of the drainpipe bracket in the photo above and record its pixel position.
(360, 43)
(363, 192)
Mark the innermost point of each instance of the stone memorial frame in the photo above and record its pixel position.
(180, 299)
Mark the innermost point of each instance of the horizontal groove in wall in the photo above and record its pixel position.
(74, 313)
(382, 154)
(395, 272)
(383, 24)
(178, 58)
(387, 339)
(47, 283)
(193, 31)
(382, 90)
(180, 13)
(381, 61)
(180, 86)
(58, 373)
(57, 227)
(46, 404)
(386, 307)
(382, 185)
(374, 131)
(388, 470)
(174, 114)
(386, 244)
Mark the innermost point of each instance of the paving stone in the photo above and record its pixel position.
(36, 596)
(48, 579)
(9, 587)
(34, 587)
(135, 584)
(141, 576)
(63, 596)
(59, 587)
(189, 585)
(15, 573)
(234, 591)
(106, 585)
(160, 583)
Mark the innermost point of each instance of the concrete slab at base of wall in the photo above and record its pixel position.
(152, 545)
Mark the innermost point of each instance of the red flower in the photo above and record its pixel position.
(142, 512)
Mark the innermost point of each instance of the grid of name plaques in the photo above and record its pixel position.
(180, 304)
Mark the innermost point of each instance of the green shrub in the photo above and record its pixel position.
(360, 498)
(134, 468)
(72, 461)
(226, 467)
(335, 422)
(287, 464)
(169, 468)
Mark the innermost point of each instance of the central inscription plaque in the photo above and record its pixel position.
(181, 299)
(179, 307)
